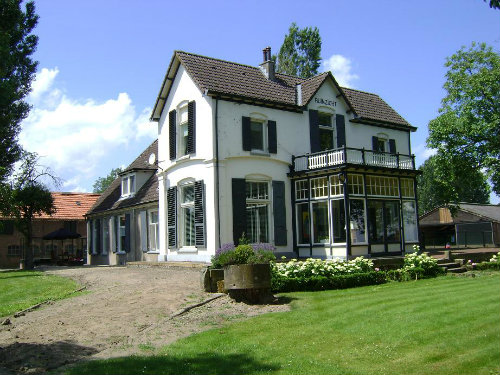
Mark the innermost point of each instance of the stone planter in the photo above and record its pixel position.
(249, 282)
(210, 277)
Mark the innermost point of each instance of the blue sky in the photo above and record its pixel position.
(101, 63)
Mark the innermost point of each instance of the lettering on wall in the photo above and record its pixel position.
(331, 103)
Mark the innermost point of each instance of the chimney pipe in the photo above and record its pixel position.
(267, 65)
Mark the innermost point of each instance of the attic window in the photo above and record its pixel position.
(128, 185)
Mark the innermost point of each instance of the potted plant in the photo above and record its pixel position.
(247, 271)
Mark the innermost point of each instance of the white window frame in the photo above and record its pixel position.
(384, 138)
(404, 222)
(263, 127)
(182, 207)
(183, 121)
(260, 201)
(119, 249)
(330, 128)
(128, 185)
(382, 186)
(153, 227)
(356, 185)
(407, 188)
(301, 190)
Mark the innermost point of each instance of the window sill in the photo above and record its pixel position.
(187, 250)
(184, 157)
(153, 252)
(120, 253)
(259, 153)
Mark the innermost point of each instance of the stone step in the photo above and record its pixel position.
(449, 265)
(457, 270)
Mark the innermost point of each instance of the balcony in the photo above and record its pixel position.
(354, 156)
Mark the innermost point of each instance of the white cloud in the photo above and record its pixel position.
(422, 153)
(76, 137)
(42, 83)
(340, 66)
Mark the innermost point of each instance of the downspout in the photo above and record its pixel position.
(217, 178)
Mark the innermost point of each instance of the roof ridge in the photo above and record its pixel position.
(216, 59)
(364, 92)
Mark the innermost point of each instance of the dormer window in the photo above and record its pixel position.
(128, 185)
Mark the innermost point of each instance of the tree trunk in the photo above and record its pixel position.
(28, 252)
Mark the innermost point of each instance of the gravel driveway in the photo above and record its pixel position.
(127, 310)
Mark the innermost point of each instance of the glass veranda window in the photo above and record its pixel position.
(338, 221)
(410, 221)
(357, 221)
(320, 222)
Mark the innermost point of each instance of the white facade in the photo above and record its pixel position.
(218, 129)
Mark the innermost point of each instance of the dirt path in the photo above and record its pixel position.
(127, 311)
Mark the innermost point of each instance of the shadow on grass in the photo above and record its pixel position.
(38, 358)
(4, 275)
(202, 363)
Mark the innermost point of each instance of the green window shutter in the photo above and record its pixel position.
(239, 208)
(191, 141)
(98, 236)
(392, 146)
(279, 213)
(374, 143)
(340, 124)
(143, 233)
(90, 236)
(127, 233)
(314, 130)
(246, 135)
(172, 134)
(199, 213)
(172, 216)
(271, 134)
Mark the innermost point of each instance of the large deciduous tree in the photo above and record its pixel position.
(300, 53)
(469, 123)
(102, 183)
(26, 197)
(448, 181)
(17, 70)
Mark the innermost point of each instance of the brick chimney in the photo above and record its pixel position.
(267, 65)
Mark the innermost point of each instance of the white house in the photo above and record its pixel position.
(304, 164)
(122, 225)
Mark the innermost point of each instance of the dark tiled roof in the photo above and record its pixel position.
(372, 107)
(110, 199)
(236, 79)
(232, 79)
(142, 161)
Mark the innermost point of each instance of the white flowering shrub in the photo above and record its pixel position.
(317, 267)
(413, 261)
(495, 258)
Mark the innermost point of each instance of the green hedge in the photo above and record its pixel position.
(488, 266)
(315, 283)
(415, 273)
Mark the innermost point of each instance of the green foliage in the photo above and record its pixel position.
(22, 289)
(17, 70)
(243, 254)
(300, 53)
(448, 180)
(280, 284)
(102, 183)
(494, 4)
(27, 197)
(469, 123)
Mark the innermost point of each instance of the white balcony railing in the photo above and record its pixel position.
(342, 156)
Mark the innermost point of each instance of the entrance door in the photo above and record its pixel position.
(384, 226)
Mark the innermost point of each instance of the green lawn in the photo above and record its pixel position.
(448, 325)
(22, 289)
